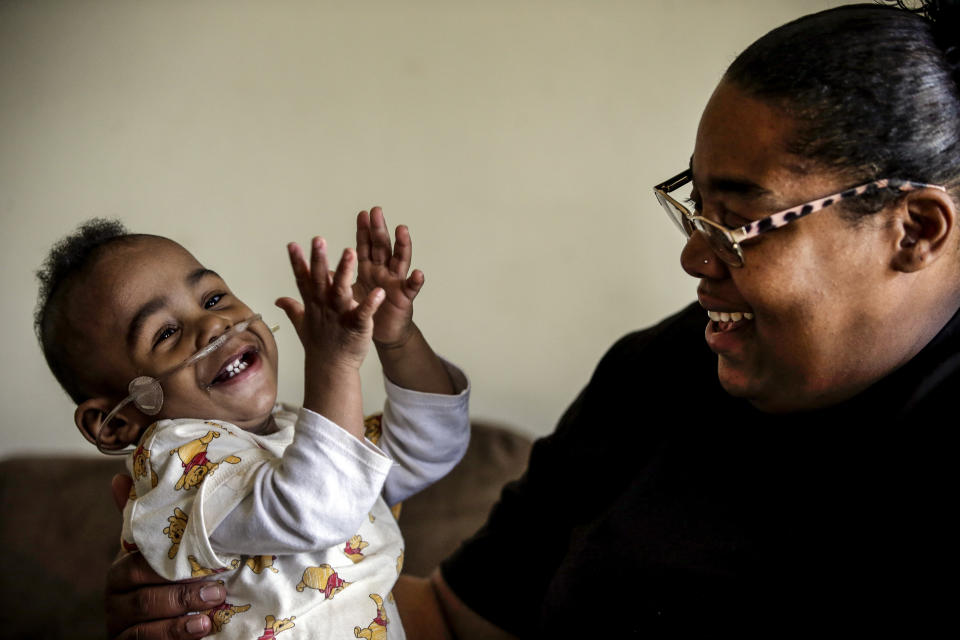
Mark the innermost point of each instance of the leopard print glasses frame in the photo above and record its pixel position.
(726, 242)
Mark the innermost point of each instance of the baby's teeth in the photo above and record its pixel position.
(236, 367)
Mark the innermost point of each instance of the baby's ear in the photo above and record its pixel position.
(123, 428)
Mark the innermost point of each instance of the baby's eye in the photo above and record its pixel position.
(164, 334)
(213, 300)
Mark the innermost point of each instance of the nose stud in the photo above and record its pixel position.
(706, 261)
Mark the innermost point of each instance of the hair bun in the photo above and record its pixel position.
(945, 18)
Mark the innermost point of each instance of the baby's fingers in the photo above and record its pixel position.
(402, 251)
(319, 271)
(294, 311)
(312, 279)
(413, 284)
(342, 293)
(380, 251)
(363, 236)
(301, 271)
(368, 306)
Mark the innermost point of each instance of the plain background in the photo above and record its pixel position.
(519, 140)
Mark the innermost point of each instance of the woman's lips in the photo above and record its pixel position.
(726, 336)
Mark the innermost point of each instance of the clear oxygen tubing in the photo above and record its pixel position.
(147, 394)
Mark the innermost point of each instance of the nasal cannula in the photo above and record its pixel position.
(147, 394)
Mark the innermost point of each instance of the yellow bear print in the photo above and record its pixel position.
(141, 458)
(198, 571)
(354, 547)
(322, 578)
(400, 562)
(174, 531)
(272, 626)
(220, 615)
(193, 458)
(377, 629)
(257, 564)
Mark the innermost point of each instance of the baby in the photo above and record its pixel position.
(289, 508)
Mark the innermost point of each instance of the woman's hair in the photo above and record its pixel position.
(872, 88)
(69, 258)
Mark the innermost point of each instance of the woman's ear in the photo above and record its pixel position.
(924, 224)
(123, 429)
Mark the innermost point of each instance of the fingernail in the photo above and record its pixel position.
(198, 624)
(212, 593)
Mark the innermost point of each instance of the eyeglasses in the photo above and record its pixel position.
(725, 242)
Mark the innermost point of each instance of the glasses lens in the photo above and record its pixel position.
(719, 242)
(677, 214)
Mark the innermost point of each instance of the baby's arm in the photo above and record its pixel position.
(325, 481)
(426, 422)
(313, 497)
(425, 434)
(335, 331)
(406, 357)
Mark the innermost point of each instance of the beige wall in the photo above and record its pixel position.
(518, 140)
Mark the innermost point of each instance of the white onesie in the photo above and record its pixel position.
(293, 522)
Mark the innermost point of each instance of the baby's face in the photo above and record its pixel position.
(148, 306)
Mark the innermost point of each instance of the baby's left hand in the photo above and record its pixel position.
(381, 265)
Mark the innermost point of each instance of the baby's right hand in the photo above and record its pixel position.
(334, 328)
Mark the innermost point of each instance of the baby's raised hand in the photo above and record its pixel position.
(335, 328)
(383, 266)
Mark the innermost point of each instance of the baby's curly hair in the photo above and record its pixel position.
(70, 257)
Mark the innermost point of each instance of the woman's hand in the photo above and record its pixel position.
(142, 605)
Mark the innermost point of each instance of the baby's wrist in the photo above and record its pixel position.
(384, 346)
(326, 370)
(334, 392)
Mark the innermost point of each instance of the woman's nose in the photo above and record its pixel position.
(700, 261)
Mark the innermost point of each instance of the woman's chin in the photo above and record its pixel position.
(733, 379)
(740, 382)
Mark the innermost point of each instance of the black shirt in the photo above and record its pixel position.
(661, 501)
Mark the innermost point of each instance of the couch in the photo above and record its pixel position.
(59, 529)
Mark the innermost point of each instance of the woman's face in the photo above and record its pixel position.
(822, 329)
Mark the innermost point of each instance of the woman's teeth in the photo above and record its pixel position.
(723, 316)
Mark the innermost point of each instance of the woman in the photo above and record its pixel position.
(793, 466)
